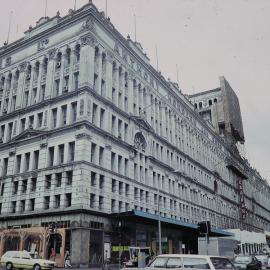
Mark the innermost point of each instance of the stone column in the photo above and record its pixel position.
(71, 68)
(39, 79)
(148, 108)
(50, 74)
(130, 92)
(11, 91)
(61, 78)
(29, 102)
(87, 57)
(21, 82)
(109, 75)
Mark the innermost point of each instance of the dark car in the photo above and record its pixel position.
(246, 262)
(264, 259)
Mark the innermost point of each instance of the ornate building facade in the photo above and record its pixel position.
(92, 134)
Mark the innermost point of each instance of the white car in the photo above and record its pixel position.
(24, 260)
(184, 261)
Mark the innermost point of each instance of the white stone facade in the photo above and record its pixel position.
(86, 123)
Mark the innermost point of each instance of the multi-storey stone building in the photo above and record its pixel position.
(91, 134)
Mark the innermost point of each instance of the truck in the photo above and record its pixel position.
(217, 246)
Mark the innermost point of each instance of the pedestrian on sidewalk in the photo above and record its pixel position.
(67, 260)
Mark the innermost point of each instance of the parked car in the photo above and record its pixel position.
(247, 262)
(180, 261)
(24, 260)
(264, 259)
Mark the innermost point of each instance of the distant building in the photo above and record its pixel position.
(221, 108)
(96, 144)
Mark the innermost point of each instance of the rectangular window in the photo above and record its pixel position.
(71, 147)
(57, 201)
(56, 87)
(48, 181)
(33, 184)
(92, 200)
(2, 132)
(114, 185)
(93, 152)
(42, 92)
(22, 124)
(94, 114)
(69, 175)
(54, 117)
(24, 186)
(68, 200)
(64, 114)
(9, 134)
(18, 163)
(93, 179)
(73, 112)
(40, 118)
(32, 204)
(101, 181)
(76, 81)
(36, 160)
(58, 179)
(101, 203)
(31, 122)
(51, 156)
(34, 95)
(113, 156)
(46, 202)
(102, 118)
(2, 189)
(113, 125)
(61, 149)
(101, 156)
(26, 161)
(15, 187)
(22, 206)
(13, 207)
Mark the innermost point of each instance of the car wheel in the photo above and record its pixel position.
(36, 267)
(9, 265)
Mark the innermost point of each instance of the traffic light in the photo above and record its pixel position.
(204, 227)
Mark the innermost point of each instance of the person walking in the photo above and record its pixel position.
(67, 260)
(52, 254)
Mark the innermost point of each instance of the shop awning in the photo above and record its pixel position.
(141, 216)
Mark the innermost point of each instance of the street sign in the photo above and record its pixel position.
(119, 248)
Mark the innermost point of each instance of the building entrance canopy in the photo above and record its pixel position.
(140, 216)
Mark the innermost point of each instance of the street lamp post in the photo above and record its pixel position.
(159, 225)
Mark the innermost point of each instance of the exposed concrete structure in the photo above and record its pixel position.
(92, 134)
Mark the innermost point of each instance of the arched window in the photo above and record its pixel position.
(140, 142)
(210, 102)
(200, 105)
(68, 55)
(215, 186)
(196, 106)
(58, 60)
(215, 100)
(45, 66)
(78, 52)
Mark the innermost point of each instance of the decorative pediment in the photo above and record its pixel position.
(142, 123)
(28, 133)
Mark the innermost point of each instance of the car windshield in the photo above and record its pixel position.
(221, 263)
(34, 256)
(243, 259)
